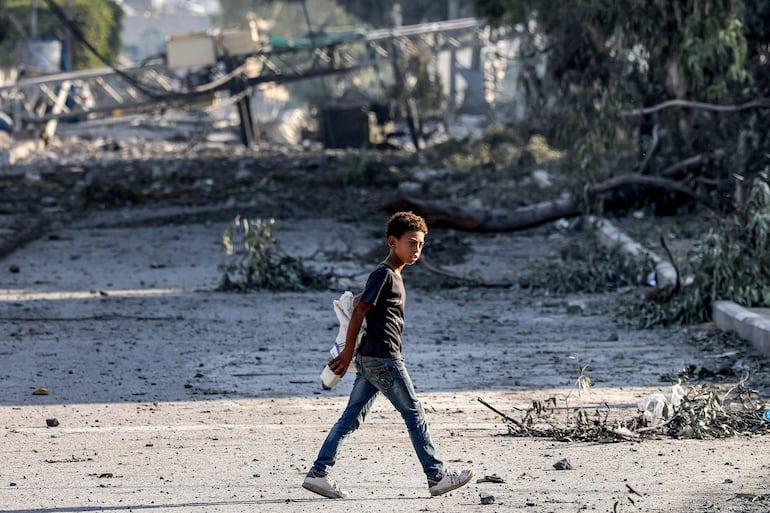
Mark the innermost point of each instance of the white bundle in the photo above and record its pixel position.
(343, 308)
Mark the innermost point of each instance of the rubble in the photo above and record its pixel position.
(116, 163)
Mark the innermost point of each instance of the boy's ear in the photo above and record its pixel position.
(392, 241)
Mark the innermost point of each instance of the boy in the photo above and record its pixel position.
(381, 367)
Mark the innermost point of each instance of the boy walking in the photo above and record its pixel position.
(381, 367)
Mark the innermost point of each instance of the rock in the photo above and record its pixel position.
(410, 188)
(429, 175)
(575, 308)
(494, 478)
(542, 178)
(51, 422)
(486, 498)
(244, 175)
(563, 465)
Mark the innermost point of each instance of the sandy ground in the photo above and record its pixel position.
(173, 397)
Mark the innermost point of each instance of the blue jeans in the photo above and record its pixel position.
(390, 377)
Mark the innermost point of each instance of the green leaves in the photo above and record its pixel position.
(732, 262)
(255, 260)
(701, 414)
(98, 20)
(585, 65)
(585, 268)
(714, 48)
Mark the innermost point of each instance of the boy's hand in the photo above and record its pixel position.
(339, 364)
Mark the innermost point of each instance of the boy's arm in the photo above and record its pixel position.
(339, 364)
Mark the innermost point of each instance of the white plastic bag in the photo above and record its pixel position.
(343, 308)
(660, 406)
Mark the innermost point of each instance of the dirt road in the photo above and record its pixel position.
(171, 396)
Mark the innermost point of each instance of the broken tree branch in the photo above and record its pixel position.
(692, 161)
(441, 213)
(503, 415)
(610, 236)
(762, 103)
(654, 181)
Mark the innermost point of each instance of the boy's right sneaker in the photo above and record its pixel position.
(450, 481)
(323, 486)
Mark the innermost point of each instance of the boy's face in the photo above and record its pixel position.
(409, 246)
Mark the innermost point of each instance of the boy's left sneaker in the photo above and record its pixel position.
(323, 486)
(450, 481)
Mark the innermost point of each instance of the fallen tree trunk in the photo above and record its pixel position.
(442, 213)
(761, 103)
(445, 214)
(612, 237)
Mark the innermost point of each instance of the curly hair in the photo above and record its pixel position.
(402, 222)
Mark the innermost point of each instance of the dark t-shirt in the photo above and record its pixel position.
(385, 320)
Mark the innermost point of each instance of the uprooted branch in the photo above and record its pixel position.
(441, 213)
(761, 103)
(653, 181)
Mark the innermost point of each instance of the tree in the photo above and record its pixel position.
(672, 88)
(98, 21)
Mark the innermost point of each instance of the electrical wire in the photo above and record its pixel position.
(75, 31)
(145, 89)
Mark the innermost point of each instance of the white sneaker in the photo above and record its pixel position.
(450, 481)
(323, 486)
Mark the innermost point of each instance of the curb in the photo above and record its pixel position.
(749, 325)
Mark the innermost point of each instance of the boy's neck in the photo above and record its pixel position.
(396, 263)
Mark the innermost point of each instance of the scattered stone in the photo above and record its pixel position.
(410, 188)
(487, 498)
(494, 478)
(40, 391)
(563, 465)
(542, 178)
(576, 308)
(244, 175)
(429, 175)
(51, 422)
(14, 268)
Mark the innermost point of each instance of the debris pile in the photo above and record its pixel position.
(701, 413)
